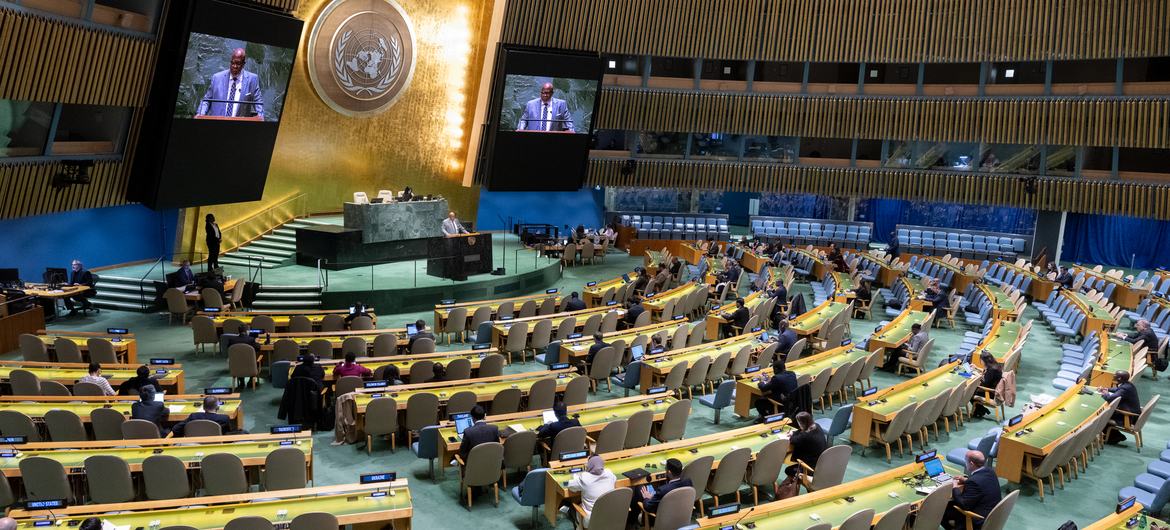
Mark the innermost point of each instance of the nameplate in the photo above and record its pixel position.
(447, 301)
(558, 366)
(13, 440)
(870, 391)
(755, 329)
(160, 361)
(656, 390)
(574, 336)
(611, 302)
(591, 284)
(376, 384)
(679, 317)
(160, 371)
(217, 391)
(725, 509)
(551, 291)
(573, 455)
(751, 369)
(1016, 420)
(285, 429)
(373, 478)
(1126, 504)
(46, 504)
(117, 331)
(482, 346)
(773, 418)
(929, 455)
(211, 310)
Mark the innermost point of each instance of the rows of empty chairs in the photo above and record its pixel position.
(1066, 317)
(918, 418)
(813, 231)
(678, 226)
(932, 269)
(978, 306)
(964, 243)
(803, 264)
(1151, 488)
(868, 265)
(1000, 275)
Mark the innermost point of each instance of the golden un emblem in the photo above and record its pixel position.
(361, 55)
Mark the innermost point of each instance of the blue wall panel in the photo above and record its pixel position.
(98, 237)
(1117, 241)
(558, 208)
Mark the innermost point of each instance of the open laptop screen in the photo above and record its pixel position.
(462, 422)
(934, 467)
(636, 352)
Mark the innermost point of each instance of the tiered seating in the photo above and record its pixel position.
(813, 231)
(678, 226)
(806, 262)
(1151, 488)
(968, 244)
(932, 269)
(983, 303)
(900, 292)
(870, 265)
(1076, 362)
(1001, 275)
(1072, 313)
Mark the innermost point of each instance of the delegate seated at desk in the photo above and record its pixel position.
(452, 226)
(80, 276)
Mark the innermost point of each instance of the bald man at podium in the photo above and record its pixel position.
(234, 92)
(452, 227)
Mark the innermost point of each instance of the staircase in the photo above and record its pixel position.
(124, 294)
(287, 297)
(278, 247)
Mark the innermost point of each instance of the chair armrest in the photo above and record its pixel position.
(459, 460)
(1127, 419)
(970, 517)
(580, 510)
(804, 466)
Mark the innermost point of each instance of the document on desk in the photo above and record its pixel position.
(175, 409)
(517, 427)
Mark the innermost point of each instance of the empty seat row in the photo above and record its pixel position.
(965, 244)
(1003, 276)
(678, 227)
(931, 269)
(813, 231)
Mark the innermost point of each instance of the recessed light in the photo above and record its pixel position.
(612, 65)
(1009, 73)
(873, 74)
(726, 70)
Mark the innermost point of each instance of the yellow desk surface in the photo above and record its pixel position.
(1116, 354)
(656, 303)
(1001, 304)
(1097, 318)
(655, 367)
(251, 448)
(747, 387)
(1124, 294)
(593, 293)
(500, 327)
(811, 322)
(715, 316)
(442, 310)
(880, 492)
(352, 504)
(334, 337)
(280, 318)
(579, 347)
(1000, 340)
(484, 387)
(653, 458)
(68, 373)
(404, 362)
(888, 401)
(898, 331)
(179, 406)
(43, 291)
(1049, 426)
(125, 346)
(844, 287)
(594, 416)
(1119, 521)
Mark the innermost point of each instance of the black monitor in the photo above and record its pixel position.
(54, 275)
(9, 275)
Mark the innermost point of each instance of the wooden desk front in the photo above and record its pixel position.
(69, 373)
(179, 406)
(916, 390)
(125, 346)
(747, 388)
(1051, 425)
(656, 367)
(441, 310)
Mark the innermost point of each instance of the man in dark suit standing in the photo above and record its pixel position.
(80, 276)
(778, 387)
(549, 431)
(574, 303)
(213, 237)
(1124, 390)
(211, 413)
(737, 318)
(674, 480)
(978, 492)
(633, 312)
(480, 432)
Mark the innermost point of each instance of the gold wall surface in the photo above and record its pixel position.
(420, 141)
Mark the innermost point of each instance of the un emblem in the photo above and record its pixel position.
(361, 55)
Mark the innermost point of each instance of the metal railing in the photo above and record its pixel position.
(142, 282)
(322, 275)
(263, 222)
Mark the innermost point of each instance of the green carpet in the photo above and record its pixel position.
(1084, 500)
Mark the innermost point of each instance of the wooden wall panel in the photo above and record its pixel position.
(1082, 196)
(847, 30)
(1087, 121)
(45, 59)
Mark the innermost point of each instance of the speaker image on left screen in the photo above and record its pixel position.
(215, 104)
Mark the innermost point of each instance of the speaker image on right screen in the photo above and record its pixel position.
(540, 124)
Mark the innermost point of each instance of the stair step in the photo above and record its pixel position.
(293, 304)
(144, 288)
(268, 253)
(273, 287)
(313, 221)
(240, 262)
(119, 305)
(270, 242)
(104, 279)
(124, 295)
(281, 238)
(285, 231)
(267, 295)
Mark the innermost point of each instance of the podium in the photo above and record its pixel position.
(457, 257)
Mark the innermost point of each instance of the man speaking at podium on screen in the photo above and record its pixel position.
(234, 92)
(546, 113)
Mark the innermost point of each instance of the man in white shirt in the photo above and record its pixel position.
(451, 226)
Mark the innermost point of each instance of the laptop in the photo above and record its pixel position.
(636, 352)
(411, 329)
(462, 422)
(934, 470)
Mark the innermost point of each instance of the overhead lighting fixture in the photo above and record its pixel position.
(612, 65)
(1009, 73)
(726, 70)
(873, 74)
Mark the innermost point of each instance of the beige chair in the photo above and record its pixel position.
(729, 474)
(566, 327)
(541, 336)
(569, 255)
(603, 364)
(284, 469)
(643, 319)
(385, 345)
(482, 468)
(101, 351)
(140, 430)
(250, 522)
(242, 364)
(860, 520)
(766, 467)
(347, 384)
(223, 474)
(300, 324)
(930, 512)
(829, 468)
(609, 322)
(894, 518)
(506, 401)
(65, 426)
(332, 322)
(717, 371)
(577, 391)
(541, 394)
(610, 510)
(44, 479)
(592, 325)
(739, 363)
(696, 375)
(997, 519)
(16, 423)
(382, 420)
(66, 351)
(362, 323)
(32, 348)
(263, 322)
(517, 340)
(321, 348)
(796, 350)
(212, 298)
(459, 369)
(674, 378)
(164, 477)
(569, 440)
(116, 484)
(587, 252)
(519, 449)
(674, 511)
(284, 350)
(421, 371)
(1133, 423)
(87, 389)
(492, 365)
(422, 345)
(422, 410)
(236, 298)
(107, 423)
(203, 331)
(548, 306)
(638, 427)
(461, 401)
(456, 324)
(314, 521)
(893, 431)
(232, 325)
(176, 305)
(699, 471)
(674, 422)
(611, 438)
(24, 383)
(198, 428)
(53, 388)
(916, 360)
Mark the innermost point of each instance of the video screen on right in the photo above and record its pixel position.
(544, 101)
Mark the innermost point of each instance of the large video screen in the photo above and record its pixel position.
(215, 105)
(543, 102)
(232, 78)
(548, 104)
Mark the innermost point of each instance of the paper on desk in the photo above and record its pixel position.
(175, 408)
(516, 427)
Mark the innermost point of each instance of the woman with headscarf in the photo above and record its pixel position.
(594, 482)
